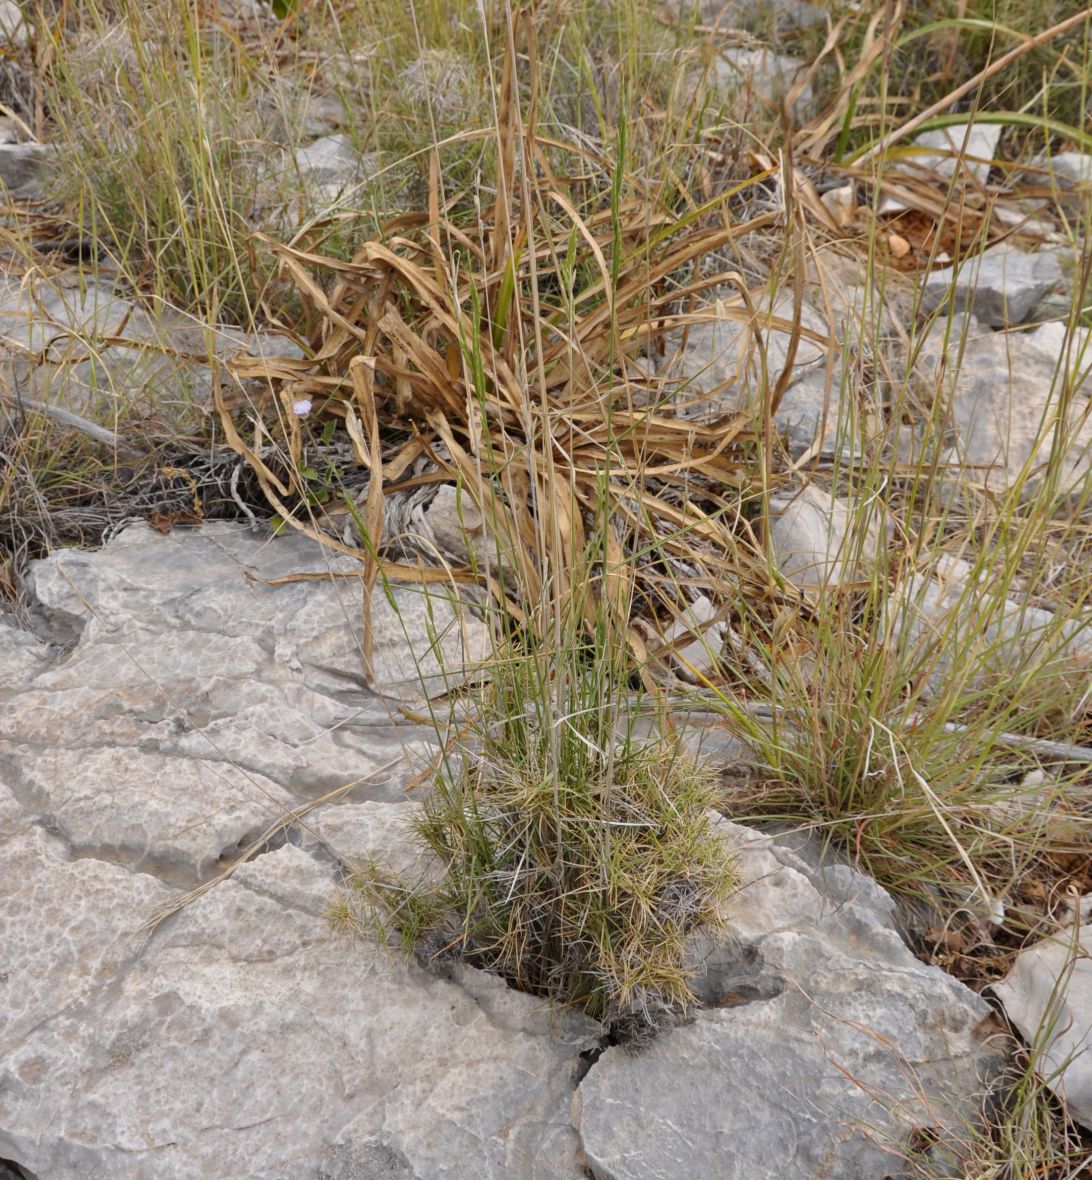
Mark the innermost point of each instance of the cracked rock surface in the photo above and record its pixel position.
(177, 707)
(824, 1045)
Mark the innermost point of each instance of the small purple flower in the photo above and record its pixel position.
(302, 407)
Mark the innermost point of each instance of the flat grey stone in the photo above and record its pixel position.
(22, 168)
(13, 24)
(1068, 168)
(1002, 394)
(962, 150)
(697, 636)
(212, 580)
(170, 816)
(311, 178)
(818, 415)
(183, 651)
(1001, 286)
(21, 656)
(85, 347)
(246, 1041)
(716, 366)
(950, 149)
(1048, 996)
(762, 76)
(331, 159)
(951, 613)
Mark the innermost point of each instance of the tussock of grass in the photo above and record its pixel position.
(575, 859)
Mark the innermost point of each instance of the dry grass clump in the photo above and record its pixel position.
(514, 357)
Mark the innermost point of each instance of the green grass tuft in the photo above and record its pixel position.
(576, 859)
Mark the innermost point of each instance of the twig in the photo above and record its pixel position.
(761, 711)
(68, 418)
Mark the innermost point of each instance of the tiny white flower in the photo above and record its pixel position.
(302, 407)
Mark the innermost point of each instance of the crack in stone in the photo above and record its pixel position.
(588, 1057)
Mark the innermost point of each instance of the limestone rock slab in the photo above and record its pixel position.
(21, 656)
(716, 367)
(1069, 169)
(168, 815)
(178, 647)
(1002, 394)
(214, 580)
(963, 147)
(13, 24)
(827, 1045)
(952, 613)
(90, 348)
(22, 168)
(246, 1041)
(815, 541)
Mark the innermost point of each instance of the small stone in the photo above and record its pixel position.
(767, 76)
(814, 542)
(1068, 168)
(1001, 286)
(898, 246)
(840, 203)
(14, 28)
(947, 606)
(1001, 393)
(706, 631)
(22, 168)
(331, 160)
(943, 153)
(457, 526)
(968, 147)
(1048, 996)
(718, 370)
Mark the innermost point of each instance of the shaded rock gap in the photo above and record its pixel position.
(11, 1170)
